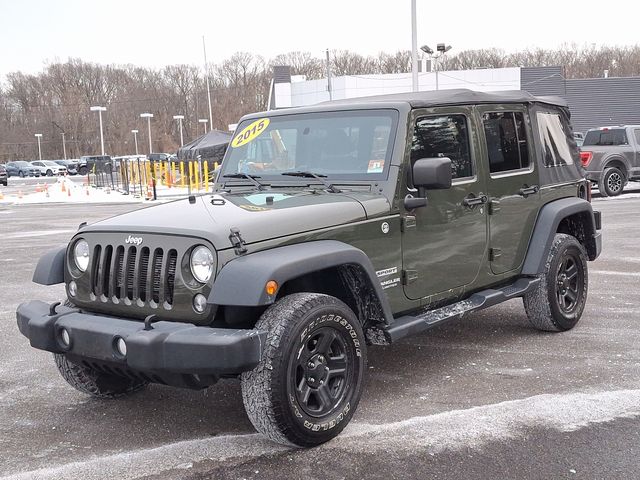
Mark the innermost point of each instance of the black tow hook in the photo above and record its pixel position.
(149, 320)
(52, 308)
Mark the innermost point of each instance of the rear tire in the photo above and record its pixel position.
(309, 380)
(558, 301)
(21, 174)
(612, 182)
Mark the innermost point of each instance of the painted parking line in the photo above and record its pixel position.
(454, 430)
(616, 273)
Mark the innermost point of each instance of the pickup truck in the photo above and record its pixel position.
(611, 157)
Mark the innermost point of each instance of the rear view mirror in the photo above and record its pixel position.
(432, 173)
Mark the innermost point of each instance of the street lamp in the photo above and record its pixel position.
(148, 116)
(38, 136)
(135, 139)
(180, 118)
(100, 110)
(442, 49)
(204, 120)
(414, 47)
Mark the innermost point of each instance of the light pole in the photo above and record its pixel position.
(180, 118)
(414, 48)
(100, 110)
(148, 116)
(442, 49)
(204, 121)
(38, 136)
(135, 139)
(206, 73)
(64, 147)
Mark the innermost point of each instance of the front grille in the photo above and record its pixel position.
(133, 274)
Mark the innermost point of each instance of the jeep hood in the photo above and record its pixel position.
(257, 215)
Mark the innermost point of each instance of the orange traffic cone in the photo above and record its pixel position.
(1, 196)
(68, 192)
(63, 188)
(19, 193)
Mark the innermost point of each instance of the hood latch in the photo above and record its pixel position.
(236, 240)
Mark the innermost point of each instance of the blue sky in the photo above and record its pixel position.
(161, 32)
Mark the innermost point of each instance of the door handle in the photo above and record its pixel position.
(471, 200)
(525, 191)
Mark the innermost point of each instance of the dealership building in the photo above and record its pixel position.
(594, 102)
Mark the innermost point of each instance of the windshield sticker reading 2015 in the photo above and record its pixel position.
(250, 132)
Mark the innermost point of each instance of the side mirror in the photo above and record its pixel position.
(428, 174)
(432, 173)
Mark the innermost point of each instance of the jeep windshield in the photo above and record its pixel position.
(343, 145)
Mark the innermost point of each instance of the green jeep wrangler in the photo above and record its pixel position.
(330, 228)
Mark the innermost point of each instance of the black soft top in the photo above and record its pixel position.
(406, 101)
(459, 96)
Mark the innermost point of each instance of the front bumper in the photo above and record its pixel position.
(168, 348)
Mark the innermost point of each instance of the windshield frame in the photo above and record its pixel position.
(349, 178)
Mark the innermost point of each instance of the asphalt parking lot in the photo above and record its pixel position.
(483, 397)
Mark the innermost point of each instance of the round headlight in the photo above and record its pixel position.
(81, 255)
(202, 264)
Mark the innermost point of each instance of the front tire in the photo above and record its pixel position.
(611, 182)
(21, 174)
(309, 380)
(92, 382)
(558, 301)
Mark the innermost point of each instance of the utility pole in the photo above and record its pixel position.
(64, 147)
(329, 76)
(414, 48)
(206, 73)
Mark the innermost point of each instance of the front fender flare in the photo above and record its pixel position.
(241, 282)
(50, 267)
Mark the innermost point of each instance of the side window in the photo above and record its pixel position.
(554, 139)
(637, 132)
(506, 141)
(444, 136)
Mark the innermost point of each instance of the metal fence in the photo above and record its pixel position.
(153, 179)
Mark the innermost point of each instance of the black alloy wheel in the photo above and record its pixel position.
(570, 282)
(320, 374)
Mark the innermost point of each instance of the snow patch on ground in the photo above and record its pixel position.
(455, 430)
(66, 191)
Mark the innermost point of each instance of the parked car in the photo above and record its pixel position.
(162, 157)
(611, 157)
(49, 168)
(21, 168)
(579, 138)
(70, 165)
(3, 175)
(365, 221)
(95, 164)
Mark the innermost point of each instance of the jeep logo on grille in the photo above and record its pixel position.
(133, 240)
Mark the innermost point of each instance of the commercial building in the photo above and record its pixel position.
(594, 102)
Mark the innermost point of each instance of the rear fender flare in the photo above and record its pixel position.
(546, 227)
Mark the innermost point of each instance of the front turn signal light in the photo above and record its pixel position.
(271, 287)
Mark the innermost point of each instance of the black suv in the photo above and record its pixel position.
(330, 228)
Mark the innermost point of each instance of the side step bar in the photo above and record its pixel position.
(412, 324)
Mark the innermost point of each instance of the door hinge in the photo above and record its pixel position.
(409, 276)
(494, 206)
(408, 222)
(494, 254)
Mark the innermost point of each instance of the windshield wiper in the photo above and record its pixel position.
(318, 177)
(252, 178)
